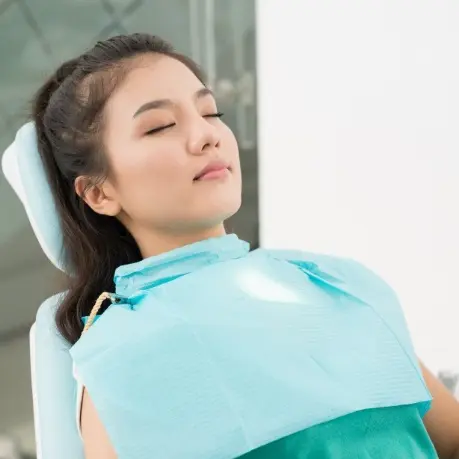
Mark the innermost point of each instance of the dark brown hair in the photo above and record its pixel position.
(68, 114)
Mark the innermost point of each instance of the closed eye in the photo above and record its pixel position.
(159, 129)
(167, 126)
(214, 115)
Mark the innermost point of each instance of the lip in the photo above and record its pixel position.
(213, 170)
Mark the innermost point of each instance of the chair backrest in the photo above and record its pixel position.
(53, 385)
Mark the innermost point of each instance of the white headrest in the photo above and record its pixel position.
(23, 168)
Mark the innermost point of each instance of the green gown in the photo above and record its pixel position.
(382, 433)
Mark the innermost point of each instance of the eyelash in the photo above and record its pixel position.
(162, 128)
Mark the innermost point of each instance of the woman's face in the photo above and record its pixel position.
(162, 133)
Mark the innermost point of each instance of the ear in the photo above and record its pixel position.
(100, 197)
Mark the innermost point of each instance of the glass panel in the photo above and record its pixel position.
(234, 82)
(170, 20)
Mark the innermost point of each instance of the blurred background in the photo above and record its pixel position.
(35, 37)
(346, 114)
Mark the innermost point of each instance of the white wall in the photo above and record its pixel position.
(359, 146)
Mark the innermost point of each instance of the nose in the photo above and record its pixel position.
(203, 136)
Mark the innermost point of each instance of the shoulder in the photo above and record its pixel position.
(350, 278)
(345, 271)
(341, 266)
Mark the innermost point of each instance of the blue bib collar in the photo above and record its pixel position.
(167, 266)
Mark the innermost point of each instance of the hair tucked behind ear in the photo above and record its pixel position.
(67, 112)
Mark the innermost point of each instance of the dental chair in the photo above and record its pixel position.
(53, 385)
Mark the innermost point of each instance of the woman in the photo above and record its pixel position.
(209, 350)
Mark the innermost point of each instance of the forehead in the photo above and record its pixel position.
(154, 77)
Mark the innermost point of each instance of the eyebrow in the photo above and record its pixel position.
(161, 103)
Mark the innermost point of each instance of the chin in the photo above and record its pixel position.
(217, 212)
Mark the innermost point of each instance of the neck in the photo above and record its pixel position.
(155, 243)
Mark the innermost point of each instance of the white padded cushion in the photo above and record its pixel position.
(23, 168)
(54, 388)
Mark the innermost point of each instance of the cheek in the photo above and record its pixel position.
(147, 173)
